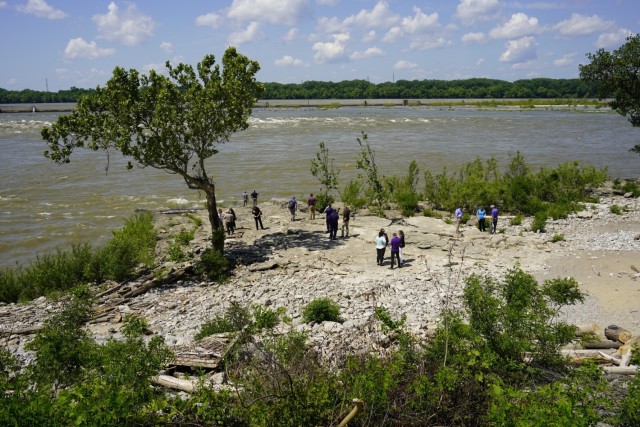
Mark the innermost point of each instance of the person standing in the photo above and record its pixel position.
(395, 250)
(228, 222)
(311, 202)
(346, 216)
(293, 206)
(254, 196)
(401, 236)
(333, 224)
(481, 214)
(327, 215)
(494, 219)
(381, 245)
(458, 215)
(245, 198)
(257, 216)
(233, 214)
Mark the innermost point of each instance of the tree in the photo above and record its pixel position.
(618, 74)
(323, 170)
(171, 123)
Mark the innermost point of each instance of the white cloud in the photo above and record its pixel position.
(480, 61)
(330, 25)
(79, 48)
(565, 61)
(423, 43)
(250, 34)
(327, 2)
(12, 81)
(472, 11)
(379, 17)
(288, 60)
(334, 51)
(420, 22)
(285, 12)
(292, 35)
(613, 40)
(474, 38)
(127, 27)
(369, 37)
(581, 25)
(166, 46)
(519, 25)
(520, 50)
(78, 77)
(392, 35)
(212, 20)
(404, 65)
(369, 53)
(39, 8)
(4, 4)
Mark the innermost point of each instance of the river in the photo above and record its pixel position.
(44, 206)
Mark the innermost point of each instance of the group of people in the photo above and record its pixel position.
(397, 244)
(332, 217)
(228, 218)
(481, 215)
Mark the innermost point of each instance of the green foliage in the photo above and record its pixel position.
(353, 194)
(403, 190)
(176, 253)
(516, 220)
(539, 222)
(431, 213)
(172, 122)
(375, 192)
(559, 237)
(630, 405)
(517, 316)
(196, 219)
(320, 310)
(238, 317)
(185, 237)
(323, 169)
(615, 209)
(574, 400)
(322, 201)
(213, 265)
(615, 75)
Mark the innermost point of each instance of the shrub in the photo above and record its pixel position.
(213, 265)
(615, 209)
(185, 237)
(557, 237)
(322, 201)
(320, 310)
(431, 213)
(234, 319)
(631, 187)
(516, 220)
(539, 222)
(630, 406)
(352, 194)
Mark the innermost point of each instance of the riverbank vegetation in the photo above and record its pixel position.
(571, 90)
(133, 245)
(494, 361)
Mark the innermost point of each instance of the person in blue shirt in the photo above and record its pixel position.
(481, 219)
(458, 215)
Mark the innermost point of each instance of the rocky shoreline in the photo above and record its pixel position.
(293, 262)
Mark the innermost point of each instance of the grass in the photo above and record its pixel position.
(132, 245)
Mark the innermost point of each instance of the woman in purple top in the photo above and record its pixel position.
(395, 250)
(494, 219)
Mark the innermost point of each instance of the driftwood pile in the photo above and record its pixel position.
(612, 347)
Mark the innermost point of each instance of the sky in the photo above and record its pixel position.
(59, 44)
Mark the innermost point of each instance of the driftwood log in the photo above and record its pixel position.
(620, 370)
(616, 333)
(174, 383)
(601, 344)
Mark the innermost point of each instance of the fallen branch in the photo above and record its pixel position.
(174, 383)
(619, 370)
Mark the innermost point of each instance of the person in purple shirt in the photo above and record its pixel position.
(494, 219)
(395, 250)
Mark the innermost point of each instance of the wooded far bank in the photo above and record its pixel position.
(476, 88)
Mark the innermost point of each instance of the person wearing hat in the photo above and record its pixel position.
(494, 219)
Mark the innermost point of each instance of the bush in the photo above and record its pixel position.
(516, 220)
(185, 237)
(430, 213)
(235, 318)
(213, 265)
(557, 238)
(539, 222)
(630, 405)
(322, 201)
(320, 310)
(352, 194)
(615, 209)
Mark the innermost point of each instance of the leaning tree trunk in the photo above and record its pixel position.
(217, 228)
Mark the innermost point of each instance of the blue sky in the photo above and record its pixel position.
(78, 42)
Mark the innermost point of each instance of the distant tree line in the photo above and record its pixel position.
(35, 96)
(362, 89)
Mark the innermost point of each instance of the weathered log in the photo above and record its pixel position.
(174, 383)
(589, 328)
(581, 356)
(616, 333)
(626, 358)
(601, 344)
(626, 370)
